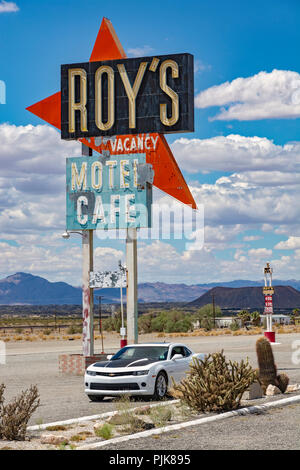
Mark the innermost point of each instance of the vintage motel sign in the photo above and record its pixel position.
(268, 291)
(128, 96)
(105, 193)
(107, 279)
(268, 304)
(167, 175)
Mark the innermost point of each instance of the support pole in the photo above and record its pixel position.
(87, 292)
(132, 303)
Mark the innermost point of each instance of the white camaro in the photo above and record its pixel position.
(139, 369)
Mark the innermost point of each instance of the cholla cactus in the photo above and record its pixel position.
(215, 384)
(267, 368)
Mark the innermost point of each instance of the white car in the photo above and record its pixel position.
(139, 369)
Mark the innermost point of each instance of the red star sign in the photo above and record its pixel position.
(167, 175)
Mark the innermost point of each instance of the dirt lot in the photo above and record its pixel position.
(62, 397)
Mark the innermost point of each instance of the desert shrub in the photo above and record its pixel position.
(106, 431)
(160, 415)
(255, 318)
(15, 416)
(113, 323)
(215, 384)
(47, 332)
(244, 316)
(234, 325)
(74, 329)
(57, 427)
(205, 316)
(144, 323)
(78, 438)
(172, 321)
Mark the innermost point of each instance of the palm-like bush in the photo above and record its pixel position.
(255, 318)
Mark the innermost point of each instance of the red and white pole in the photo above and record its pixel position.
(268, 291)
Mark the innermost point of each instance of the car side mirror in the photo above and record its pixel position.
(109, 357)
(177, 356)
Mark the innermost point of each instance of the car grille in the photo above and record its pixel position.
(125, 386)
(114, 374)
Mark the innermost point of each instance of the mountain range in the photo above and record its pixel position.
(24, 288)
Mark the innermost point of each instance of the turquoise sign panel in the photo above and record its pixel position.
(103, 193)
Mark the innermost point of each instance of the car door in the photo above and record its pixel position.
(179, 366)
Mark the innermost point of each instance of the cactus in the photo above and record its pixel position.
(283, 382)
(267, 368)
(215, 384)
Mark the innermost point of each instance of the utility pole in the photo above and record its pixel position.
(132, 302)
(100, 320)
(87, 292)
(214, 309)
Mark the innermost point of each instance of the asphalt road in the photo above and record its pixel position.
(62, 397)
(278, 429)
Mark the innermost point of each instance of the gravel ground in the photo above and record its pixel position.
(279, 429)
(62, 397)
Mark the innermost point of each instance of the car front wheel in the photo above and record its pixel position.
(161, 386)
(96, 397)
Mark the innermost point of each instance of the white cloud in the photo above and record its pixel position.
(292, 243)
(32, 179)
(140, 51)
(252, 238)
(200, 67)
(261, 253)
(261, 96)
(8, 7)
(52, 257)
(235, 153)
(32, 209)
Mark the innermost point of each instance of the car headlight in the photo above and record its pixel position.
(91, 372)
(141, 372)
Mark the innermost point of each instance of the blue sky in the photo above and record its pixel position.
(242, 161)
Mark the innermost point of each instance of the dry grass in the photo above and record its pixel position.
(283, 329)
(36, 335)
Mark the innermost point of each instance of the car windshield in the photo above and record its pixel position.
(156, 353)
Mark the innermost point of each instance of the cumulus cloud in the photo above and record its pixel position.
(261, 253)
(227, 203)
(140, 51)
(8, 7)
(252, 238)
(32, 179)
(235, 153)
(292, 243)
(51, 257)
(261, 96)
(33, 150)
(261, 193)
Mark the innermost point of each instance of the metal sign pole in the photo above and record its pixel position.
(87, 292)
(132, 303)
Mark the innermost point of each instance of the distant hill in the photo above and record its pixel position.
(249, 297)
(24, 288)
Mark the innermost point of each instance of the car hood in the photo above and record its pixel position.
(124, 363)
